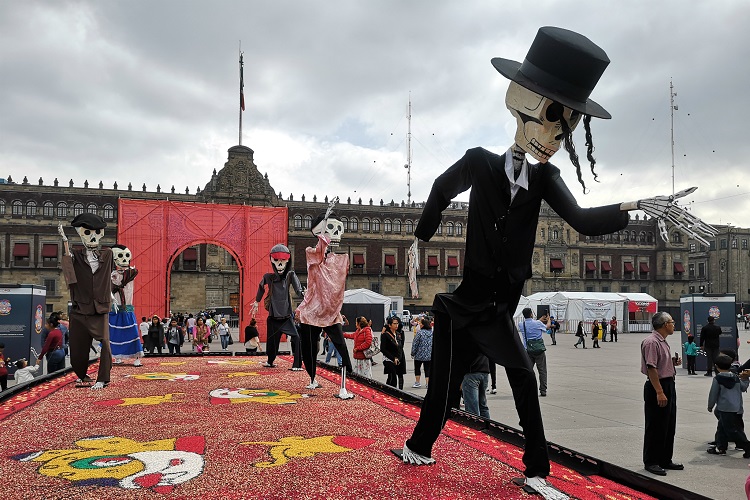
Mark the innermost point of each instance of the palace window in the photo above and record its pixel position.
(48, 210)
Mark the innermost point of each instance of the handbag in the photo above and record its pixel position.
(373, 349)
(533, 346)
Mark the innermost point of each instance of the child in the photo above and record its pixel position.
(691, 351)
(25, 373)
(726, 395)
(252, 342)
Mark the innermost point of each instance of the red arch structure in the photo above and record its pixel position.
(158, 231)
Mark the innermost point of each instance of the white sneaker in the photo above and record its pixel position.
(312, 385)
(417, 384)
(137, 362)
(414, 458)
(344, 394)
(493, 391)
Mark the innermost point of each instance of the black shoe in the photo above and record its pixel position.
(708, 374)
(746, 454)
(715, 451)
(673, 466)
(543, 394)
(655, 469)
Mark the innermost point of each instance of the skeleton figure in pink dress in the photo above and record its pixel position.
(321, 308)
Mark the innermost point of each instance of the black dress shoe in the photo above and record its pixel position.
(655, 469)
(673, 466)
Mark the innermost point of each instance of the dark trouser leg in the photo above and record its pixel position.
(658, 439)
(272, 340)
(56, 361)
(493, 375)
(309, 346)
(711, 354)
(80, 343)
(443, 391)
(297, 348)
(732, 430)
(535, 456)
(391, 380)
(336, 334)
(400, 379)
(3, 382)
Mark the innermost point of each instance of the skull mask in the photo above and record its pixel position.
(538, 118)
(121, 255)
(280, 256)
(332, 227)
(91, 238)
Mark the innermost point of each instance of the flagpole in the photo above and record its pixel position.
(242, 95)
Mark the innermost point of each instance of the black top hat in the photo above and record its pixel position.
(561, 65)
(89, 221)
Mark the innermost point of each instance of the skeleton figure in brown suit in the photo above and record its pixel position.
(87, 272)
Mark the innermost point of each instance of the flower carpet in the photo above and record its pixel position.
(228, 428)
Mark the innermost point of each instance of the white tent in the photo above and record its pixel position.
(363, 302)
(569, 308)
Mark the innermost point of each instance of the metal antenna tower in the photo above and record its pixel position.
(672, 109)
(408, 154)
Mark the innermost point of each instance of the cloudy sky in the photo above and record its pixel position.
(148, 92)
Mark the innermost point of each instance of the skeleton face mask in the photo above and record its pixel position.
(122, 257)
(91, 238)
(334, 228)
(280, 256)
(539, 131)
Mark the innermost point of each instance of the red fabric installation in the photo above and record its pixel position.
(390, 260)
(21, 250)
(452, 262)
(157, 231)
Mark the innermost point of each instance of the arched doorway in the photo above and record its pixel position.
(157, 231)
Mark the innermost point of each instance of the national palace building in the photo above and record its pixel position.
(378, 235)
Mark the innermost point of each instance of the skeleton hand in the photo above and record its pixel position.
(413, 266)
(254, 309)
(61, 232)
(114, 304)
(666, 209)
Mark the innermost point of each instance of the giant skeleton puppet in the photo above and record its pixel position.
(548, 95)
(124, 336)
(88, 274)
(324, 297)
(279, 304)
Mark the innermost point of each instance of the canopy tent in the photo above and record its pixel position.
(570, 308)
(363, 302)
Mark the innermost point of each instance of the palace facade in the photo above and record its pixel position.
(378, 235)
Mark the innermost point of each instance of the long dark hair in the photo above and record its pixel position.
(54, 320)
(571, 148)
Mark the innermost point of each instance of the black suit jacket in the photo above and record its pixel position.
(500, 234)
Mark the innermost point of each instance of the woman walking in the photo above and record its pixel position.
(392, 347)
(595, 331)
(362, 341)
(224, 333)
(581, 336)
(421, 351)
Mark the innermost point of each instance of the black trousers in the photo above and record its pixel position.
(277, 327)
(711, 353)
(658, 439)
(452, 354)
(730, 428)
(310, 335)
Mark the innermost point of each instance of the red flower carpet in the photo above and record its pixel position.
(216, 427)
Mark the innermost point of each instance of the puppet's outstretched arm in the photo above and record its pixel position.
(666, 209)
(66, 246)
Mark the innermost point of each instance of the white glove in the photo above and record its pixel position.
(61, 232)
(666, 209)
